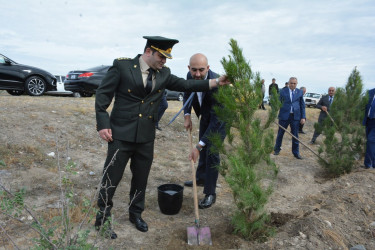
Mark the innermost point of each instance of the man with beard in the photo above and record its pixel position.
(203, 104)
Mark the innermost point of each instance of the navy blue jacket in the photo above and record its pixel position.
(297, 103)
(209, 122)
(371, 94)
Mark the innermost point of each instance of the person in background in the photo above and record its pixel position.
(324, 105)
(272, 86)
(292, 112)
(369, 122)
(263, 93)
(286, 85)
(301, 125)
(203, 104)
(137, 86)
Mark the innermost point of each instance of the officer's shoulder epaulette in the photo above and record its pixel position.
(123, 58)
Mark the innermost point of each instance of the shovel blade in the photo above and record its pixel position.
(199, 236)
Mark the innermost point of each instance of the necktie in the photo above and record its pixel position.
(372, 110)
(291, 108)
(330, 100)
(148, 87)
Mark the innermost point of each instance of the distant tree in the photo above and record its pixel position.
(246, 164)
(344, 134)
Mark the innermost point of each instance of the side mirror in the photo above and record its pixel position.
(7, 61)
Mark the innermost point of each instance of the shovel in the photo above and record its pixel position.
(197, 235)
(300, 141)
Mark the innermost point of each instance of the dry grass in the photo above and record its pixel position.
(76, 213)
(336, 238)
(24, 155)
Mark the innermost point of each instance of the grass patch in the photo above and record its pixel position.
(21, 155)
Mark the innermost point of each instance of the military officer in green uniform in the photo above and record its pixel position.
(137, 86)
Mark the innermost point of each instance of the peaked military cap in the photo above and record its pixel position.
(162, 44)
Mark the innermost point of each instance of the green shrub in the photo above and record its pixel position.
(246, 164)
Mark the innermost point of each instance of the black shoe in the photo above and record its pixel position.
(301, 132)
(276, 152)
(106, 229)
(207, 201)
(298, 157)
(365, 167)
(139, 223)
(158, 128)
(312, 142)
(200, 183)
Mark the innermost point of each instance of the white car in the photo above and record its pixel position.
(60, 87)
(311, 99)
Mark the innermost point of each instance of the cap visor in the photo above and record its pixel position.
(169, 56)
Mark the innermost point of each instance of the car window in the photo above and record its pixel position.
(62, 78)
(2, 60)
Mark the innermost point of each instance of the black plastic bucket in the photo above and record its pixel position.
(170, 198)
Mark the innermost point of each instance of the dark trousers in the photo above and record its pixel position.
(301, 127)
(370, 144)
(162, 107)
(294, 125)
(141, 156)
(207, 169)
(318, 130)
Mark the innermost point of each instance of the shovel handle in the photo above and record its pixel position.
(300, 141)
(194, 184)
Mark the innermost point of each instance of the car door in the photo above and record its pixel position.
(10, 77)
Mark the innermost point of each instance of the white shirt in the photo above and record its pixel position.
(199, 95)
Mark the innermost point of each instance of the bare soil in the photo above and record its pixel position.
(308, 210)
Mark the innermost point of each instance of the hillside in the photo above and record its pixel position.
(309, 210)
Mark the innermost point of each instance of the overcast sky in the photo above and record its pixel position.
(319, 42)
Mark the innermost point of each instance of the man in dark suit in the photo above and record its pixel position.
(369, 122)
(138, 85)
(203, 104)
(292, 112)
(324, 105)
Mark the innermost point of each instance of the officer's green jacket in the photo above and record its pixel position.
(134, 112)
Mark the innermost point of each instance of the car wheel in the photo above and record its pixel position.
(77, 94)
(15, 92)
(35, 86)
(180, 97)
